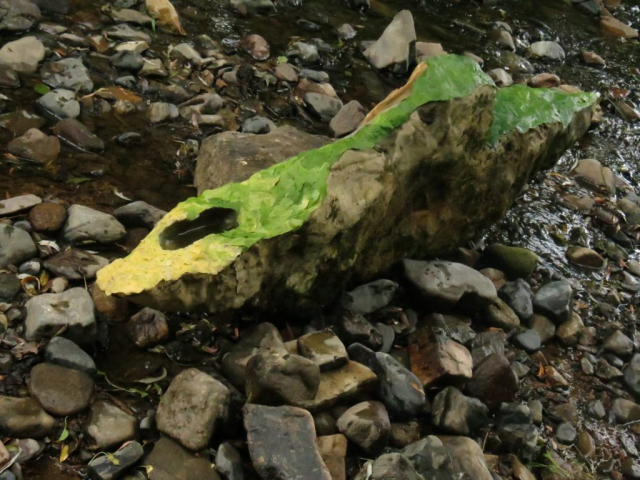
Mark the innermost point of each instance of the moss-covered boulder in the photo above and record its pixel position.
(431, 166)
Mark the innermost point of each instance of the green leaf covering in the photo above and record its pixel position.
(281, 198)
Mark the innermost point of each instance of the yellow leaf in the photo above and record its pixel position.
(64, 453)
(165, 14)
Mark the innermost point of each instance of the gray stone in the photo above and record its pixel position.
(186, 52)
(500, 315)
(501, 77)
(128, 15)
(324, 106)
(398, 388)
(23, 55)
(394, 466)
(286, 73)
(305, 53)
(257, 125)
(467, 459)
(108, 426)
(68, 73)
(75, 264)
(565, 433)
(529, 340)
(353, 327)
(429, 457)
(128, 60)
(192, 408)
(61, 391)
(139, 214)
(618, 344)
(65, 353)
(554, 300)
(315, 75)
(517, 295)
(457, 414)
(147, 328)
(516, 431)
(49, 313)
(102, 468)
(546, 328)
(124, 32)
(367, 425)
(282, 443)
(632, 375)
(348, 119)
(86, 225)
(546, 50)
(24, 417)
(274, 379)
(161, 112)
(60, 103)
(16, 246)
(448, 282)
(10, 286)
(18, 204)
(456, 327)
(76, 134)
(395, 49)
(229, 462)
(486, 343)
(28, 448)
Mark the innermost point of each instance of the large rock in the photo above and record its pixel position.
(282, 443)
(22, 55)
(234, 157)
(35, 146)
(61, 391)
(457, 414)
(467, 458)
(171, 461)
(438, 358)
(396, 48)
(72, 310)
(86, 225)
(367, 425)
(355, 207)
(192, 408)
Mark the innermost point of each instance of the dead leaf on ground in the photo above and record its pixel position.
(116, 93)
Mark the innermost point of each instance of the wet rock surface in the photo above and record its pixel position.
(564, 262)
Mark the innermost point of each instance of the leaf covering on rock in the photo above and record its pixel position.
(281, 198)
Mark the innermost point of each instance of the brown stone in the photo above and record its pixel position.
(114, 308)
(493, 381)
(438, 358)
(333, 450)
(35, 146)
(147, 327)
(47, 217)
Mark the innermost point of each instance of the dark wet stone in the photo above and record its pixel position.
(9, 286)
(631, 374)
(75, 264)
(429, 457)
(282, 443)
(394, 466)
(192, 408)
(546, 328)
(516, 431)
(171, 461)
(388, 336)
(403, 434)
(517, 295)
(370, 297)
(367, 425)
(323, 348)
(130, 140)
(554, 300)
(139, 214)
(458, 414)
(353, 327)
(570, 330)
(102, 468)
(486, 343)
(65, 353)
(61, 391)
(128, 60)
(229, 462)
(257, 125)
(274, 379)
(9, 78)
(21, 121)
(147, 328)
(76, 134)
(494, 381)
(438, 358)
(455, 327)
(24, 417)
(114, 308)
(398, 388)
(529, 340)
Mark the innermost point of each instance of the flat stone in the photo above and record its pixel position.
(323, 348)
(10, 286)
(86, 225)
(282, 443)
(108, 426)
(161, 112)
(128, 15)
(286, 73)
(434, 359)
(448, 282)
(545, 80)
(426, 50)
(23, 55)
(367, 425)
(340, 385)
(593, 59)
(61, 391)
(594, 175)
(76, 134)
(24, 417)
(192, 408)
(65, 353)
(16, 246)
(50, 312)
(456, 327)
(257, 125)
(353, 327)
(305, 53)
(500, 315)
(75, 264)
(68, 73)
(35, 146)
(102, 468)
(171, 461)
(565, 433)
(124, 32)
(348, 119)
(18, 204)
(395, 49)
